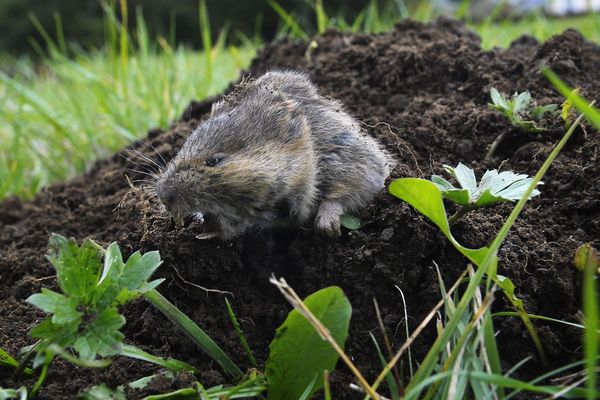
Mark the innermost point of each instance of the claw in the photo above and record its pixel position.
(199, 217)
(206, 236)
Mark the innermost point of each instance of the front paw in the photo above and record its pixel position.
(328, 219)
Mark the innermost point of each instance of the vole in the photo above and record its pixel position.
(274, 149)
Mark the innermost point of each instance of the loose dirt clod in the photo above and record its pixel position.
(431, 84)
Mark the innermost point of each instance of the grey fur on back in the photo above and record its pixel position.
(274, 148)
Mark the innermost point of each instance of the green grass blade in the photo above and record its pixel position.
(169, 363)
(489, 264)
(288, 20)
(322, 18)
(591, 113)
(540, 317)
(395, 393)
(491, 348)
(240, 334)
(591, 313)
(194, 332)
(206, 39)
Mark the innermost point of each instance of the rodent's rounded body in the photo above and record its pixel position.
(274, 149)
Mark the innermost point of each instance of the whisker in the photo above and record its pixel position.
(151, 174)
(164, 162)
(145, 157)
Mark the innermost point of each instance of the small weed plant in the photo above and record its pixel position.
(494, 187)
(84, 329)
(521, 110)
(85, 316)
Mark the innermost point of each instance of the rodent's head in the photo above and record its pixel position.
(234, 163)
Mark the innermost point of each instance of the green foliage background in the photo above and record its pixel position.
(175, 20)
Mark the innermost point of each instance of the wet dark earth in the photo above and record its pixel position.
(422, 90)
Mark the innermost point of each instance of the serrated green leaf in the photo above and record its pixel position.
(77, 267)
(465, 177)
(457, 196)
(494, 187)
(516, 190)
(102, 336)
(298, 353)
(103, 392)
(427, 199)
(64, 309)
(486, 199)
(442, 183)
(350, 222)
(120, 281)
(48, 332)
(521, 102)
(138, 269)
(540, 111)
(498, 99)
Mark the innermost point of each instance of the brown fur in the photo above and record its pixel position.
(274, 146)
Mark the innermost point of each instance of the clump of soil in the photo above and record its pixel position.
(422, 90)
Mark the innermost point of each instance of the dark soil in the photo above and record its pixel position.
(423, 91)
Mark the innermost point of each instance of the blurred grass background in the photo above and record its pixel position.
(67, 100)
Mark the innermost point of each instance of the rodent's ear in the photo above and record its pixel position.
(298, 125)
(290, 118)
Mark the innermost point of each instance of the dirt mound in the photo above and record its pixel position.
(420, 89)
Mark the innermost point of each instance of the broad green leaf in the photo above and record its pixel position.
(350, 222)
(298, 353)
(425, 196)
(102, 336)
(77, 267)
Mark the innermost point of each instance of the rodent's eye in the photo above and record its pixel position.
(214, 160)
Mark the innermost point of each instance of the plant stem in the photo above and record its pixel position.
(494, 145)
(462, 211)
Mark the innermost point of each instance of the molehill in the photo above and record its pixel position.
(422, 90)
